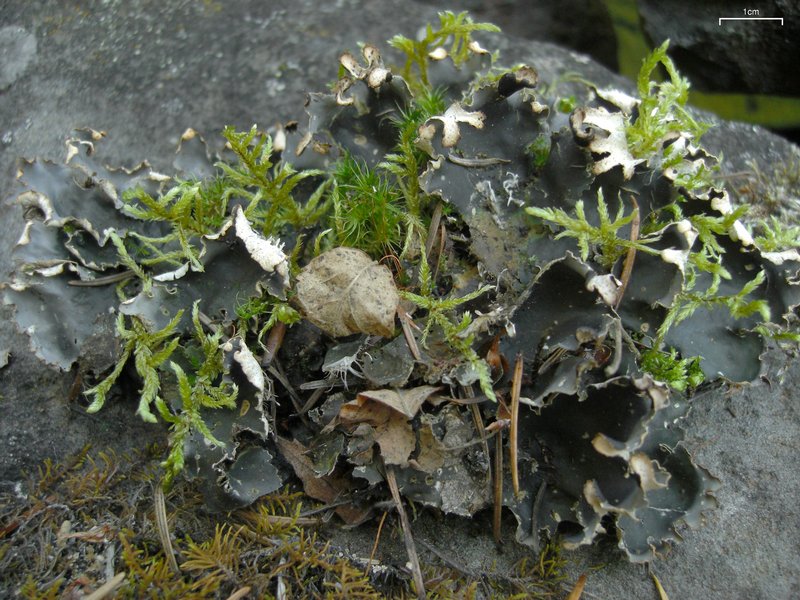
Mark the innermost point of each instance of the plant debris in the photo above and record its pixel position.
(343, 291)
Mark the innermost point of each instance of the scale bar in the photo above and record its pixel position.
(721, 19)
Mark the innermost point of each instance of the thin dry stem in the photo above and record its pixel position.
(516, 386)
(163, 528)
(375, 545)
(436, 218)
(107, 588)
(407, 324)
(577, 591)
(498, 489)
(101, 281)
(411, 549)
(630, 257)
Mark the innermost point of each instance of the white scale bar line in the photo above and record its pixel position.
(721, 19)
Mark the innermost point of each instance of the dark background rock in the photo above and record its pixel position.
(738, 56)
(144, 71)
(583, 25)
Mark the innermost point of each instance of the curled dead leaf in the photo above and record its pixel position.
(343, 291)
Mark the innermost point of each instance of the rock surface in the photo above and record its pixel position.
(736, 56)
(144, 72)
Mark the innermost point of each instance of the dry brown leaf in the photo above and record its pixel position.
(396, 440)
(343, 291)
(406, 402)
(431, 451)
(393, 433)
(327, 489)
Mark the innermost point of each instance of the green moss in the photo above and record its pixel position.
(775, 236)
(439, 315)
(150, 350)
(566, 105)
(681, 374)
(601, 241)
(539, 151)
(368, 212)
(661, 115)
(454, 31)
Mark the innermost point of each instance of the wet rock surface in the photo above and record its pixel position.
(144, 73)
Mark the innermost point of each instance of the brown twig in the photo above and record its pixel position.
(411, 549)
(627, 266)
(407, 324)
(516, 387)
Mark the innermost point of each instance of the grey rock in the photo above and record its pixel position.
(18, 49)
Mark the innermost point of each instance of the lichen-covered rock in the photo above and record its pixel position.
(533, 227)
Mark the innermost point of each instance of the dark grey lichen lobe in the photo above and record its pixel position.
(568, 246)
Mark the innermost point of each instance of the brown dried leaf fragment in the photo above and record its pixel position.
(343, 291)
(396, 440)
(406, 402)
(431, 451)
